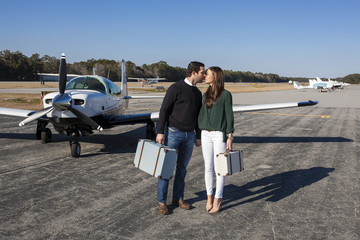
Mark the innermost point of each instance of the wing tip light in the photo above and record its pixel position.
(308, 103)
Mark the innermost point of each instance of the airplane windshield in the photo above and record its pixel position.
(86, 83)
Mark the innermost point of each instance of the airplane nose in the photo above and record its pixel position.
(62, 102)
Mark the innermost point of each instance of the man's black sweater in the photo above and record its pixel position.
(180, 108)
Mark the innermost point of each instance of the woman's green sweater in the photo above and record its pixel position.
(219, 117)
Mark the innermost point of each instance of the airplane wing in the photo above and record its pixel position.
(155, 115)
(259, 107)
(142, 97)
(16, 112)
(111, 119)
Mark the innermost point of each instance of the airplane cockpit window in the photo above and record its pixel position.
(86, 83)
(113, 88)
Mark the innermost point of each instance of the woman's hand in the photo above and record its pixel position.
(229, 144)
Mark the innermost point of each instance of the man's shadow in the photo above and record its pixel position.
(272, 188)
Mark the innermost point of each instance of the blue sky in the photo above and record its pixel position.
(293, 38)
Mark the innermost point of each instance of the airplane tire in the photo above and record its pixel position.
(150, 131)
(75, 149)
(38, 135)
(46, 136)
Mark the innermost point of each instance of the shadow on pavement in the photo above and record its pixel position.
(245, 139)
(125, 142)
(272, 188)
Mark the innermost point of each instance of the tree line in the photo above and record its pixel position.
(15, 66)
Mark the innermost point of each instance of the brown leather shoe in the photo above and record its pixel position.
(163, 208)
(182, 204)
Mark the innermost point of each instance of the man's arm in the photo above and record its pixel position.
(166, 108)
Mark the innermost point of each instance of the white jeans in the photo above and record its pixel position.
(212, 144)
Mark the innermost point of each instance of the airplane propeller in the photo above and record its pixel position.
(36, 115)
(62, 74)
(62, 102)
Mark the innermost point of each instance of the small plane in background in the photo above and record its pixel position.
(313, 84)
(321, 85)
(91, 102)
(148, 81)
(333, 84)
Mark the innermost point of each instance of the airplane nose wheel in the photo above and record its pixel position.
(75, 148)
(42, 132)
(46, 136)
(74, 144)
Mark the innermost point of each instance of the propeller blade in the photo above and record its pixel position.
(36, 115)
(85, 119)
(62, 74)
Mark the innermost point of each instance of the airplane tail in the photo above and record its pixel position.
(296, 85)
(312, 82)
(124, 89)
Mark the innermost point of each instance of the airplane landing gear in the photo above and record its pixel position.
(74, 144)
(75, 148)
(46, 136)
(42, 132)
(150, 131)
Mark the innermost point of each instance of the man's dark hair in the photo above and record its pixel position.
(194, 66)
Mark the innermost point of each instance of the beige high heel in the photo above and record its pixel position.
(209, 202)
(216, 206)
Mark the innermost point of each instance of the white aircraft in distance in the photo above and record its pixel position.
(313, 84)
(148, 81)
(90, 103)
(334, 84)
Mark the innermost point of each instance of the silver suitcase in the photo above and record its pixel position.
(155, 158)
(229, 163)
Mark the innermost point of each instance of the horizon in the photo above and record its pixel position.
(292, 39)
(170, 66)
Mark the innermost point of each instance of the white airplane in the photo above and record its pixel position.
(332, 84)
(87, 103)
(148, 81)
(313, 84)
(329, 85)
(298, 86)
(337, 84)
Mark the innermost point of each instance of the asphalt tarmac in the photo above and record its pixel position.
(301, 179)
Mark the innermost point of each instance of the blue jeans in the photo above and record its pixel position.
(184, 142)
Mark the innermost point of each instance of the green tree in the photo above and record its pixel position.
(50, 64)
(352, 78)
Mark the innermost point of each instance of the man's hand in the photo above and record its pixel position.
(197, 142)
(160, 138)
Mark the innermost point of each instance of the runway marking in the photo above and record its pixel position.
(289, 114)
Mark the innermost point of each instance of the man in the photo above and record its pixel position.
(177, 123)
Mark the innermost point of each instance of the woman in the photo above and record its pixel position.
(216, 120)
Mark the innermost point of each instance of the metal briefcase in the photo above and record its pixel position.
(229, 163)
(155, 158)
